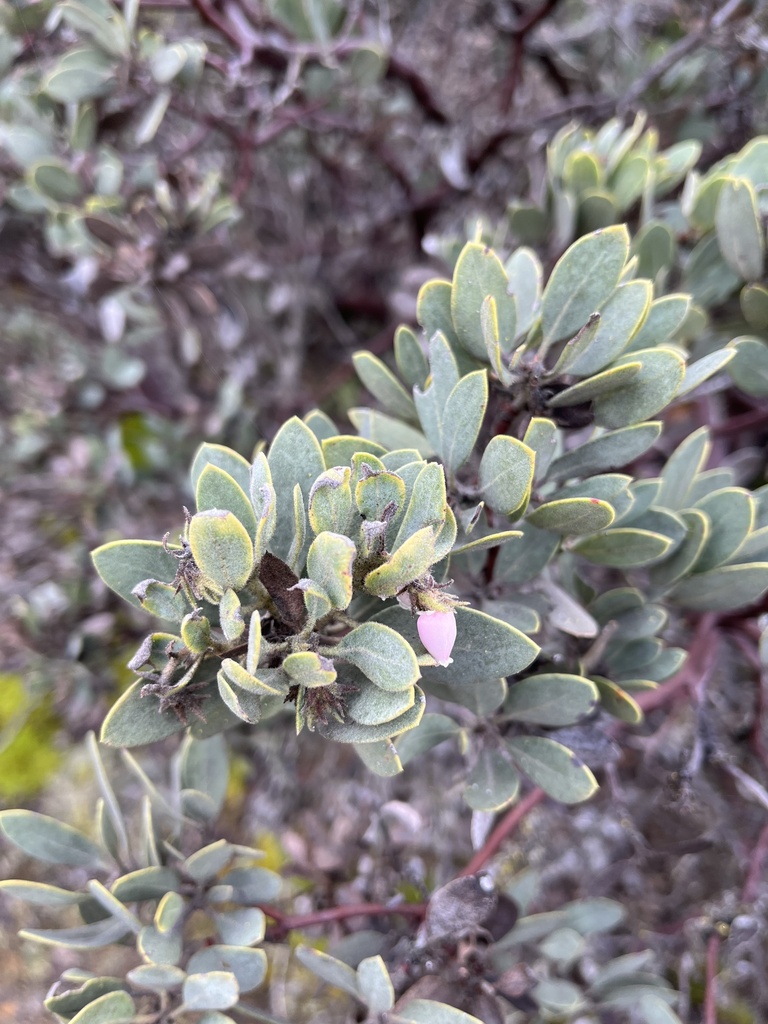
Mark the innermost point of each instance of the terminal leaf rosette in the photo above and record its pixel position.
(274, 594)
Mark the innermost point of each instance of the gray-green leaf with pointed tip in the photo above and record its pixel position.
(583, 279)
(553, 767)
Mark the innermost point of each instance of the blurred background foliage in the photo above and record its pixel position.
(206, 206)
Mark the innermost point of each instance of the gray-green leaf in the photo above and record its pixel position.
(213, 990)
(381, 654)
(506, 475)
(723, 589)
(50, 840)
(375, 985)
(583, 279)
(222, 548)
(135, 720)
(553, 767)
(332, 971)
(124, 564)
(492, 783)
(740, 233)
(551, 699)
(478, 273)
(112, 1006)
(464, 412)
(608, 452)
(249, 966)
(624, 547)
(573, 516)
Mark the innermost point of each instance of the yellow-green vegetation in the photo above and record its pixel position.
(28, 752)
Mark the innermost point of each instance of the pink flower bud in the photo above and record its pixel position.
(437, 631)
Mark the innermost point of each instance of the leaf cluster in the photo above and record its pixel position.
(576, 370)
(193, 909)
(189, 906)
(708, 234)
(533, 399)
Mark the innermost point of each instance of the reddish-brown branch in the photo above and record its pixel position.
(747, 421)
(284, 119)
(710, 984)
(290, 922)
(675, 53)
(244, 171)
(489, 565)
(295, 116)
(559, 80)
(213, 17)
(515, 74)
(217, 63)
(519, 34)
(398, 70)
(285, 923)
(275, 51)
(503, 830)
(689, 677)
(663, 694)
(747, 645)
(559, 113)
(705, 636)
(376, 145)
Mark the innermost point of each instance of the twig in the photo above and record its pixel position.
(662, 695)
(273, 47)
(284, 119)
(222, 25)
(747, 421)
(757, 737)
(503, 830)
(558, 113)
(289, 922)
(212, 61)
(559, 80)
(398, 70)
(696, 669)
(725, 14)
(519, 33)
(676, 52)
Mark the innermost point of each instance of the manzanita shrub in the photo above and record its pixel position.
(480, 561)
(320, 574)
